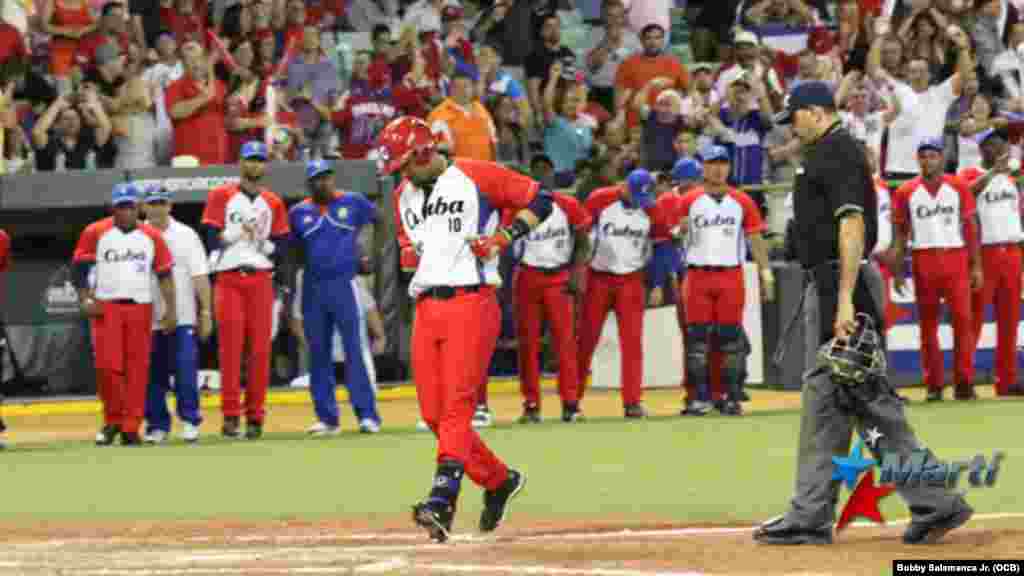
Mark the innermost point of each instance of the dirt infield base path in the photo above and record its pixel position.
(544, 548)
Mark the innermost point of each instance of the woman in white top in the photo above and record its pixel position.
(135, 126)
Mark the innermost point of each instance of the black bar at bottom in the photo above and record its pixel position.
(958, 566)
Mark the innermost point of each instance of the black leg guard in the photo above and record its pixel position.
(731, 341)
(697, 359)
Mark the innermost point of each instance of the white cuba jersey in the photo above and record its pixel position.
(718, 226)
(228, 208)
(884, 201)
(124, 260)
(621, 237)
(936, 220)
(999, 207)
(550, 244)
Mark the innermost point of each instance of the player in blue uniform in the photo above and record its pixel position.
(326, 225)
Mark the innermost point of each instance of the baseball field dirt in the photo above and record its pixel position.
(667, 496)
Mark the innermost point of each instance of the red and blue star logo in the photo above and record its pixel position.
(863, 501)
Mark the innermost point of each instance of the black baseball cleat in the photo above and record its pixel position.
(231, 427)
(696, 408)
(253, 430)
(934, 396)
(965, 393)
(635, 411)
(931, 531)
(731, 408)
(130, 439)
(496, 502)
(781, 532)
(436, 516)
(531, 414)
(571, 413)
(107, 435)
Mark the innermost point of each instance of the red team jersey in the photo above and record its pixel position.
(124, 260)
(934, 218)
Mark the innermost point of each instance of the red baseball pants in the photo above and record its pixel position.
(625, 293)
(714, 297)
(714, 361)
(452, 340)
(485, 375)
(540, 295)
(1002, 267)
(941, 274)
(122, 337)
(244, 307)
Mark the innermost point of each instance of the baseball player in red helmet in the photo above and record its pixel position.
(938, 212)
(622, 247)
(448, 216)
(716, 217)
(1000, 205)
(542, 290)
(247, 232)
(113, 266)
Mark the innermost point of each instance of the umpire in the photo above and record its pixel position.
(835, 219)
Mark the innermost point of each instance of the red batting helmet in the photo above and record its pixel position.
(404, 138)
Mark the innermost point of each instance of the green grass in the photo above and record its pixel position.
(684, 470)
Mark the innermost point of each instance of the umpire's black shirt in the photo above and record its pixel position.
(834, 180)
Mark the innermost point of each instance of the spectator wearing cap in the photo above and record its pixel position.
(463, 124)
(661, 124)
(195, 104)
(610, 46)
(312, 88)
(567, 137)
(923, 106)
(111, 30)
(746, 48)
(639, 69)
(741, 128)
(539, 63)
(363, 111)
(69, 131)
(176, 353)
(67, 22)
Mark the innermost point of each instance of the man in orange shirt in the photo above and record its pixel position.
(639, 69)
(463, 124)
(195, 103)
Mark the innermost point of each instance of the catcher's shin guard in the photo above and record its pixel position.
(731, 343)
(697, 360)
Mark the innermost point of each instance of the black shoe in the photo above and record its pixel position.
(572, 413)
(496, 502)
(253, 430)
(436, 516)
(130, 439)
(635, 411)
(930, 531)
(779, 531)
(965, 393)
(231, 428)
(731, 408)
(107, 435)
(1013, 391)
(531, 414)
(696, 408)
(934, 396)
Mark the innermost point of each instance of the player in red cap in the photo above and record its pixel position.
(447, 213)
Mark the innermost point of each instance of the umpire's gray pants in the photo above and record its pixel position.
(825, 431)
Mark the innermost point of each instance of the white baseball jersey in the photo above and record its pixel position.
(999, 208)
(716, 234)
(464, 204)
(189, 262)
(935, 217)
(227, 209)
(884, 201)
(550, 244)
(124, 260)
(621, 236)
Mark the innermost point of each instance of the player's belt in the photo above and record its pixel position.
(549, 271)
(123, 301)
(246, 270)
(711, 268)
(449, 292)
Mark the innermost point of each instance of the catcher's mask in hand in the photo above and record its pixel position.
(852, 361)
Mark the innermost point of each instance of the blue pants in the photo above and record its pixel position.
(173, 354)
(329, 305)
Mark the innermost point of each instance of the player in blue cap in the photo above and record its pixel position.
(327, 226)
(177, 352)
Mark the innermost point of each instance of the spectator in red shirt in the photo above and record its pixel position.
(363, 111)
(195, 104)
(187, 23)
(112, 29)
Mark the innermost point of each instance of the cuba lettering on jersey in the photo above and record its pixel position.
(884, 202)
(935, 220)
(465, 203)
(717, 227)
(999, 208)
(621, 235)
(330, 234)
(124, 261)
(227, 209)
(550, 245)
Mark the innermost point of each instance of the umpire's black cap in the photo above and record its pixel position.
(805, 95)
